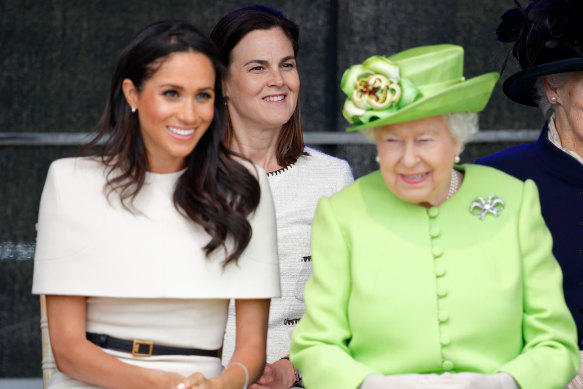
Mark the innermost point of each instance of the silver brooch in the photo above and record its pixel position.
(481, 207)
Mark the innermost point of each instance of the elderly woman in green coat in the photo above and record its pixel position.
(427, 273)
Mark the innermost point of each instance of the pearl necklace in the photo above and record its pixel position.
(453, 184)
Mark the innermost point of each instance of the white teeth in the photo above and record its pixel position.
(178, 131)
(418, 176)
(274, 98)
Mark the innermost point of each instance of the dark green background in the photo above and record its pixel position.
(55, 63)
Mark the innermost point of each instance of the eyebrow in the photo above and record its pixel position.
(173, 86)
(259, 61)
(264, 62)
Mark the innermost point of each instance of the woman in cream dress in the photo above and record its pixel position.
(141, 245)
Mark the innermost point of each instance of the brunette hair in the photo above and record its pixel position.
(226, 35)
(215, 191)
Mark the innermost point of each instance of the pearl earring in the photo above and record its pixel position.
(457, 159)
(133, 109)
(378, 159)
(554, 99)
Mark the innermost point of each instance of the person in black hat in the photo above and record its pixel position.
(548, 36)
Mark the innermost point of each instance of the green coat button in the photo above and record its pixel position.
(437, 252)
(443, 316)
(445, 340)
(433, 212)
(441, 291)
(439, 271)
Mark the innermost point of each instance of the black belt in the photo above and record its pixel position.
(144, 348)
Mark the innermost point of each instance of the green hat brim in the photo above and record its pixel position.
(467, 96)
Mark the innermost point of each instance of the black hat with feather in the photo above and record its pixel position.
(548, 36)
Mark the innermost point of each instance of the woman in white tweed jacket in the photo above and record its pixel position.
(258, 46)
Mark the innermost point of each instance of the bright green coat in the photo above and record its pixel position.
(398, 288)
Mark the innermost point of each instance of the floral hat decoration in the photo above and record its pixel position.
(548, 38)
(413, 84)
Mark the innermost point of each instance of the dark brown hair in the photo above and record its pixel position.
(215, 191)
(226, 35)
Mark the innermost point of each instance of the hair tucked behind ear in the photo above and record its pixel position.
(215, 191)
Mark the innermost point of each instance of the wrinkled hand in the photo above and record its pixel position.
(410, 381)
(440, 381)
(279, 375)
(486, 381)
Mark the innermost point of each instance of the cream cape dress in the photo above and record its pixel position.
(144, 273)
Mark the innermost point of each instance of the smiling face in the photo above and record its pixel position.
(175, 107)
(416, 159)
(263, 83)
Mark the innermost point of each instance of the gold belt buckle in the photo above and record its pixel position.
(136, 348)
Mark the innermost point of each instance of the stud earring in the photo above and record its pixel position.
(133, 109)
(457, 159)
(554, 99)
(378, 159)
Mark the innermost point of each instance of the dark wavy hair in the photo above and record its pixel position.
(215, 191)
(226, 35)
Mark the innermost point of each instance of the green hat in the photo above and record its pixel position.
(417, 83)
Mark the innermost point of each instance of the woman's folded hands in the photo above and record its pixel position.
(440, 381)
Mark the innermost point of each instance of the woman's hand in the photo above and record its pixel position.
(163, 379)
(440, 381)
(279, 375)
(411, 381)
(198, 381)
(486, 381)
